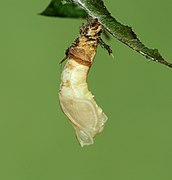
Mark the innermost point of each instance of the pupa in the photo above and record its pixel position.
(76, 101)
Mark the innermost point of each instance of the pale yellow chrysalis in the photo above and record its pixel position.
(78, 104)
(76, 100)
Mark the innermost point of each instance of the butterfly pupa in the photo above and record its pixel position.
(78, 104)
(76, 101)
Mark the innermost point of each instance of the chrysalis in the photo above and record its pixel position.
(76, 100)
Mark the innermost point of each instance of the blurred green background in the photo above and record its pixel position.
(36, 140)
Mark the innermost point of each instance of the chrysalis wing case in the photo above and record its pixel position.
(76, 100)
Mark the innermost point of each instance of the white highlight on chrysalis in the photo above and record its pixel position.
(78, 104)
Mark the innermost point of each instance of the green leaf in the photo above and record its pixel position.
(58, 8)
(97, 9)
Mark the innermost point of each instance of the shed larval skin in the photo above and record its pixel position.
(76, 100)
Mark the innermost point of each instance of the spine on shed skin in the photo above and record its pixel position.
(76, 100)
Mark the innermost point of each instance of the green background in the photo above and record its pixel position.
(36, 140)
